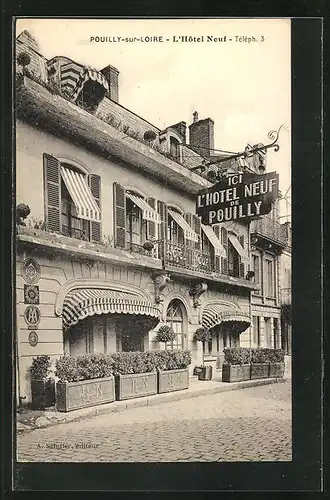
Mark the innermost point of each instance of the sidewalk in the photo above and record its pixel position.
(28, 420)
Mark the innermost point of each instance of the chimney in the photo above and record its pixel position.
(111, 74)
(201, 135)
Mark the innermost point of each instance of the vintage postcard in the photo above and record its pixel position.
(153, 236)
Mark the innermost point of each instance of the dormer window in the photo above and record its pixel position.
(175, 148)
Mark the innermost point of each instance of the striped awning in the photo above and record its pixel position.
(189, 233)
(214, 240)
(148, 213)
(70, 74)
(242, 252)
(214, 314)
(90, 74)
(81, 195)
(81, 303)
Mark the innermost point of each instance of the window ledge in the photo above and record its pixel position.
(58, 244)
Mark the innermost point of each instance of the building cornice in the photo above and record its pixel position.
(51, 112)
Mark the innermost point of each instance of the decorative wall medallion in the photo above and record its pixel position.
(31, 270)
(31, 294)
(33, 339)
(32, 316)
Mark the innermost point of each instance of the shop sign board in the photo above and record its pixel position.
(239, 196)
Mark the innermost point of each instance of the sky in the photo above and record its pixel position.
(245, 87)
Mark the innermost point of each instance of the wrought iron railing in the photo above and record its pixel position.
(74, 232)
(270, 229)
(187, 257)
(135, 248)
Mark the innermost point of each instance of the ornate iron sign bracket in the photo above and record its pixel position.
(273, 135)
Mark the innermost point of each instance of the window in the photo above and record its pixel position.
(233, 261)
(136, 226)
(175, 148)
(270, 278)
(175, 233)
(72, 200)
(174, 319)
(256, 330)
(256, 270)
(81, 338)
(72, 225)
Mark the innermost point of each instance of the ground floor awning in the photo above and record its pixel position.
(81, 303)
(214, 315)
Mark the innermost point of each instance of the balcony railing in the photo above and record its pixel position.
(74, 232)
(270, 229)
(188, 258)
(285, 295)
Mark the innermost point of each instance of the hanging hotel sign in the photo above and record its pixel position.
(239, 196)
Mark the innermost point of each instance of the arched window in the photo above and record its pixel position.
(175, 233)
(175, 319)
(136, 225)
(72, 224)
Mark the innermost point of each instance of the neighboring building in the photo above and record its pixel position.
(285, 291)
(101, 184)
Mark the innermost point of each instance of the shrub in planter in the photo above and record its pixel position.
(172, 367)
(135, 374)
(84, 381)
(165, 334)
(42, 385)
(202, 335)
(236, 366)
(276, 364)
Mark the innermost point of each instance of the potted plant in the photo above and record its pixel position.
(42, 385)
(135, 374)
(276, 363)
(165, 334)
(236, 366)
(84, 381)
(203, 335)
(260, 363)
(172, 367)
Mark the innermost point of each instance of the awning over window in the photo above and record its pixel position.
(148, 213)
(90, 74)
(214, 240)
(189, 233)
(239, 249)
(214, 315)
(81, 303)
(81, 195)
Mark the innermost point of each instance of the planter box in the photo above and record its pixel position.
(135, 385)
(74, 395)
(235, 373)
(173, 380)
(259, 370)
(205, 373)
(276, 370)
(43, 393)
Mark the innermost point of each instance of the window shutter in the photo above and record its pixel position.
(217, 258)
(151, 226)
(94, 182)
(224, 241)
(119, 215)
(241, 265)
(52, 187)
(162, 210)
(197, 226)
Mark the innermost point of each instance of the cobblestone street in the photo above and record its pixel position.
(246, 425)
